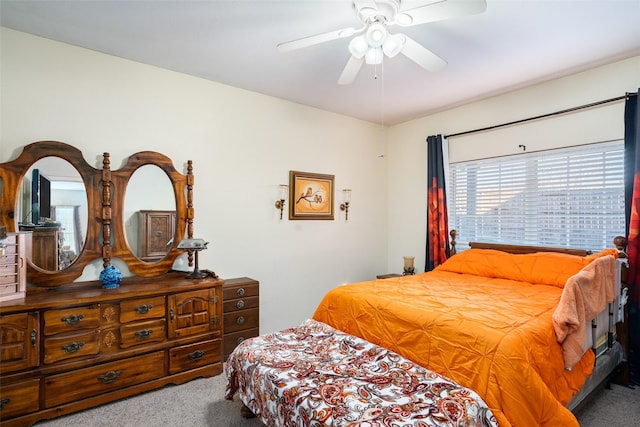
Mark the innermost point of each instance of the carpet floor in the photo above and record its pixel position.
(201, 403)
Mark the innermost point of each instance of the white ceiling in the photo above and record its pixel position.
(514, 43)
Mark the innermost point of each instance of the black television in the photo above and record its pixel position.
(40, 197)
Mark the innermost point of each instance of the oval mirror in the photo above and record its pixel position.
(52, 204)
(150, 213)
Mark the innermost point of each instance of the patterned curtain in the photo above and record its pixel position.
(632, 208)
(437, 221)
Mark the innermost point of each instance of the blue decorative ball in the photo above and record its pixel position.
(110, 277)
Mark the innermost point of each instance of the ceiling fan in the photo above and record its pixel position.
(376, 41)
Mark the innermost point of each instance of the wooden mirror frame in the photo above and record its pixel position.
(105, 191)
(181, 184)
(13, 173)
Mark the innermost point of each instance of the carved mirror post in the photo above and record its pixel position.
(106, 210)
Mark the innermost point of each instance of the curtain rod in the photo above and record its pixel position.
(556, 113)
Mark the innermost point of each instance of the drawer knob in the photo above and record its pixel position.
(197, 355)
(240, 292)
(4, 401)
(240, 304)
(239, 340)
(143, 309)
(72, 347)
(110, 377)
(143, 334)
(73, 319)
(240, 320)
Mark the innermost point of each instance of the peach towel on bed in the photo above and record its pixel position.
(585, 294)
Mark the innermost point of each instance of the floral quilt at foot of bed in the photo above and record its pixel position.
(314, 375)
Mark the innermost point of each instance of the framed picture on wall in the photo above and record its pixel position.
(311, 195)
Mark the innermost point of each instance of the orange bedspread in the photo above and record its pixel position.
(493, 335)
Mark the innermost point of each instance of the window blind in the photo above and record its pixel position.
(570, 197)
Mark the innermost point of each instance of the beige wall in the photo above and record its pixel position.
(406, 145)
(243, 145)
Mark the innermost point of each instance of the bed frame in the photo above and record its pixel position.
(611, 363)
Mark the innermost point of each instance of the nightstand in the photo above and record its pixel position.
(241, 312)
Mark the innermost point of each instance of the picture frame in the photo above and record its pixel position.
(311, 195)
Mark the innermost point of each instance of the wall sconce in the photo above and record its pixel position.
(195, 245)
(284, 191)
(408, 266)
(344, 206)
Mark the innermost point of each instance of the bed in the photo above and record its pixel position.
(492, 320)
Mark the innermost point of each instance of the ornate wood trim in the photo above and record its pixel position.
(190, 210)
(106, 210)
(519, 249)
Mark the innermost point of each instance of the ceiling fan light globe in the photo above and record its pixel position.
(376, 35)
(393, 45)
(373, 56)
(358, 47)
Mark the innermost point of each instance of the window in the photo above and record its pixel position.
(571, 197)
(67, 216)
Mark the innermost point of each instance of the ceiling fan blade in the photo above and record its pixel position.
(440, 11)
(422, 56)
(350, 71)
(317, 39)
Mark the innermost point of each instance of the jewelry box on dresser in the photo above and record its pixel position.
(69, 345)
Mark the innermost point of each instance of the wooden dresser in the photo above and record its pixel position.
(66, 345)
(75, 347)
(241, 311)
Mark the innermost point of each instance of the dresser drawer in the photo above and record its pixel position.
(241, 290)
(240, 304)
(10, 244)
(19, 398)
(71, 319)
(141, 309)
(69, 346)
(194, 355)
(13, 268)
(84, 383)
(241, 319)
(142, 333)
(9, 265)
(231, 340)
